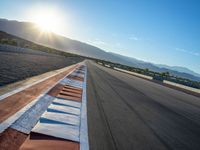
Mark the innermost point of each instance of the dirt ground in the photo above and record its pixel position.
(16, 66)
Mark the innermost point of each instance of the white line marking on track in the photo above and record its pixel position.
(84, 144)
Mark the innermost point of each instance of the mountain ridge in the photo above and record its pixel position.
(29, 31)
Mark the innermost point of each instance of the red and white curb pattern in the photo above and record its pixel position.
(63, 115)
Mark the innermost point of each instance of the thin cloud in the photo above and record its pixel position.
(98, 42)
(188, 52)
(101, 44)
(196, 54)
(180, 50)
(133, 37)
(104, 44)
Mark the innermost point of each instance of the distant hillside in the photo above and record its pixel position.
(175, 71)
(8, 39)
(27, 30)
(179, 69)
(30, 32)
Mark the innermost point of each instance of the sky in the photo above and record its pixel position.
(157, 31)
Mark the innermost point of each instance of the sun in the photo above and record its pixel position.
(48, 20)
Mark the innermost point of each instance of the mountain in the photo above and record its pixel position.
(137, 63)
(31, 32)
(179, 69)
(176, 71)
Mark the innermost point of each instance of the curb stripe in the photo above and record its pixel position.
(84, 145)
(9, 121)
(27, 86)
(52, 116)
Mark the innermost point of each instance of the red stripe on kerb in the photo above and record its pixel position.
(37, 141)
(15, 102)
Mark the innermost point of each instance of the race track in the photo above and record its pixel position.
(130, 113)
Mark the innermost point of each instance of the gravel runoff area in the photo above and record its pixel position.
(17, 64)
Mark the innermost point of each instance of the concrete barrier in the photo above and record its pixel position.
(182, 86)
(100, 63)
(107, 65)
(134, 73)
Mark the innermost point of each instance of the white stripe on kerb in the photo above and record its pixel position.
(27, 86)
(58, 130)
(29, 119)
(9, 121)
(5, 124)
(84, 145)
(73, 132)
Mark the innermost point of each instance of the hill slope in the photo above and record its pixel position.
(30, 32)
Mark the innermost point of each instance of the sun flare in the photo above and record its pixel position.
(48, 20)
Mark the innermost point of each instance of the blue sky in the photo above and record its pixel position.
(158, 31)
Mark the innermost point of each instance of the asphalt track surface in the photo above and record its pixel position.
(129, 113)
